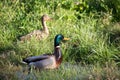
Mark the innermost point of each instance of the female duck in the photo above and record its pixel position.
(38, 34)
(48, 61)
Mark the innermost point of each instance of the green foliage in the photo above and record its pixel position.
(106, 6)
(23, 17)
(94, 38)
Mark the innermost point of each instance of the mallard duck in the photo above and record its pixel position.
(38, 34)
(48, 61)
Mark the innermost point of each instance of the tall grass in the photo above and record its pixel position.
(91, 40)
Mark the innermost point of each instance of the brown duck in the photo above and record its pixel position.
(38, 34)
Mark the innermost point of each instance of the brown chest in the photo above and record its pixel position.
(58, 62)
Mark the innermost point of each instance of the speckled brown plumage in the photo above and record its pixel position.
(38, 34)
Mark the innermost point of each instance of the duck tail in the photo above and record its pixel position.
(25, 61)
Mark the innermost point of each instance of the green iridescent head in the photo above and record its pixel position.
(58, 39)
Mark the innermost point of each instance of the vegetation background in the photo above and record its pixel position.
(93, 26)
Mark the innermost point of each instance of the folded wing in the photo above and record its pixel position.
(35, 58)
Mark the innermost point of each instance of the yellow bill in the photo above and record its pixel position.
(66, 39)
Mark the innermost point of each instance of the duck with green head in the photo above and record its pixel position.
(48, 61)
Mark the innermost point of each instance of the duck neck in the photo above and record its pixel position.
(45, 29)
(57, 52)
